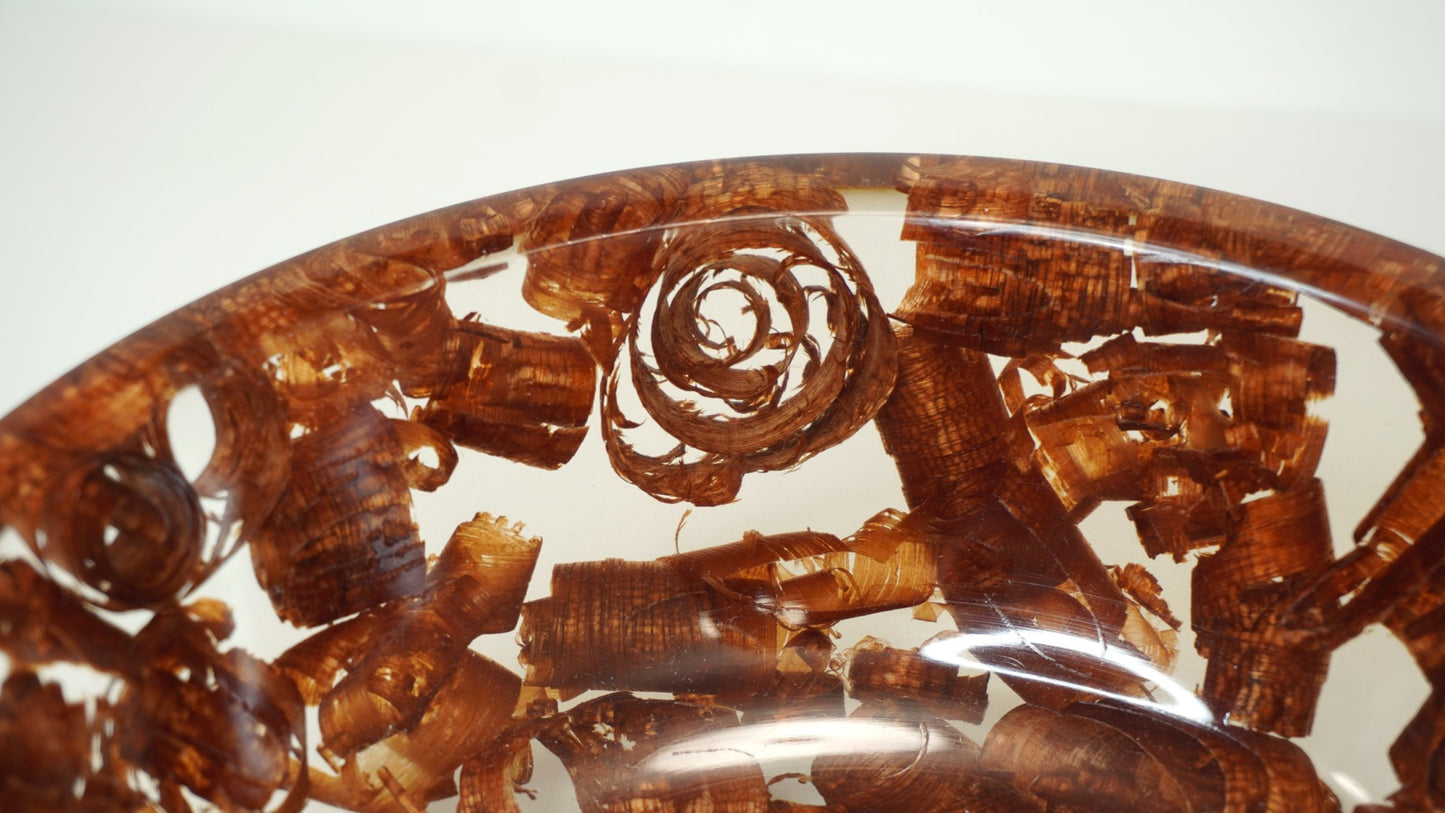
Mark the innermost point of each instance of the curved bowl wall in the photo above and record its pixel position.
(834, 482)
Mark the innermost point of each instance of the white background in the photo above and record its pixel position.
(151, 152)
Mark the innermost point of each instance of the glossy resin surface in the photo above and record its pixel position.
(845, 482)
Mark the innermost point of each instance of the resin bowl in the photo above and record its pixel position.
(835, 483)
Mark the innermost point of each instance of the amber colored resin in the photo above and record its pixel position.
(341, 382)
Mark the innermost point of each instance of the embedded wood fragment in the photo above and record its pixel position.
(42, 623)
(655, 624)
(809, 578)
(877, 671)
(1005, 291)
(54, 755)
(130, 527)
(1408, 508)
(227, 726)
(1018, 258)
(341, 539)
(480, 579)
(804, 686)
(741, 188)
(412, 325)
(1294, 782)
(522, 396)
(224, 725)
(590, 248)
(945, 424)
(773, 395)
(908, 759)
(1418, 757)
(414, 437)
(1067, 760)
(330, 362)
(1275, 377)
(117, 407)
(382, 673)
(407, 659)
(1131, 437)
(1141, 586)
(1070, 760)
(1212, 300)
(1108, 756)
(415, 763)
(1034, 604)
(1406, 593)
(1012, 295)
(1274, 381)
(1178, 524)
(630, 753)
(1420, 359)
(251, 456)
(493, 776)
(1053, 544)
(315, 663)
(1259, 674)
(330, 327)
(1155, 431)
(1418, 620)
(642, 626)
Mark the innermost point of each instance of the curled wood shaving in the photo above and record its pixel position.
(491, 778)
(625, 752)
(383, 672)
(1016, 259)
(1066, 759)
(944, 463)
(481, 577)
(341, 539)
(879, 671)
(129, 526)
(412, 325)
(1258, 674)
(1123, 759)
(1248, 770)
(590, 248)
(764, 400)
(42, 623)
(406, 661)
(1141, 586)
(47, 750)
(1417, 757)
(226, 725)
(329, 362)
(1408, 508)
(941, 773)
(1016, 595)
(804, 686)
(642, 626)
(522, 396)
(809, 578)
(415, 765)
(252, 452)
